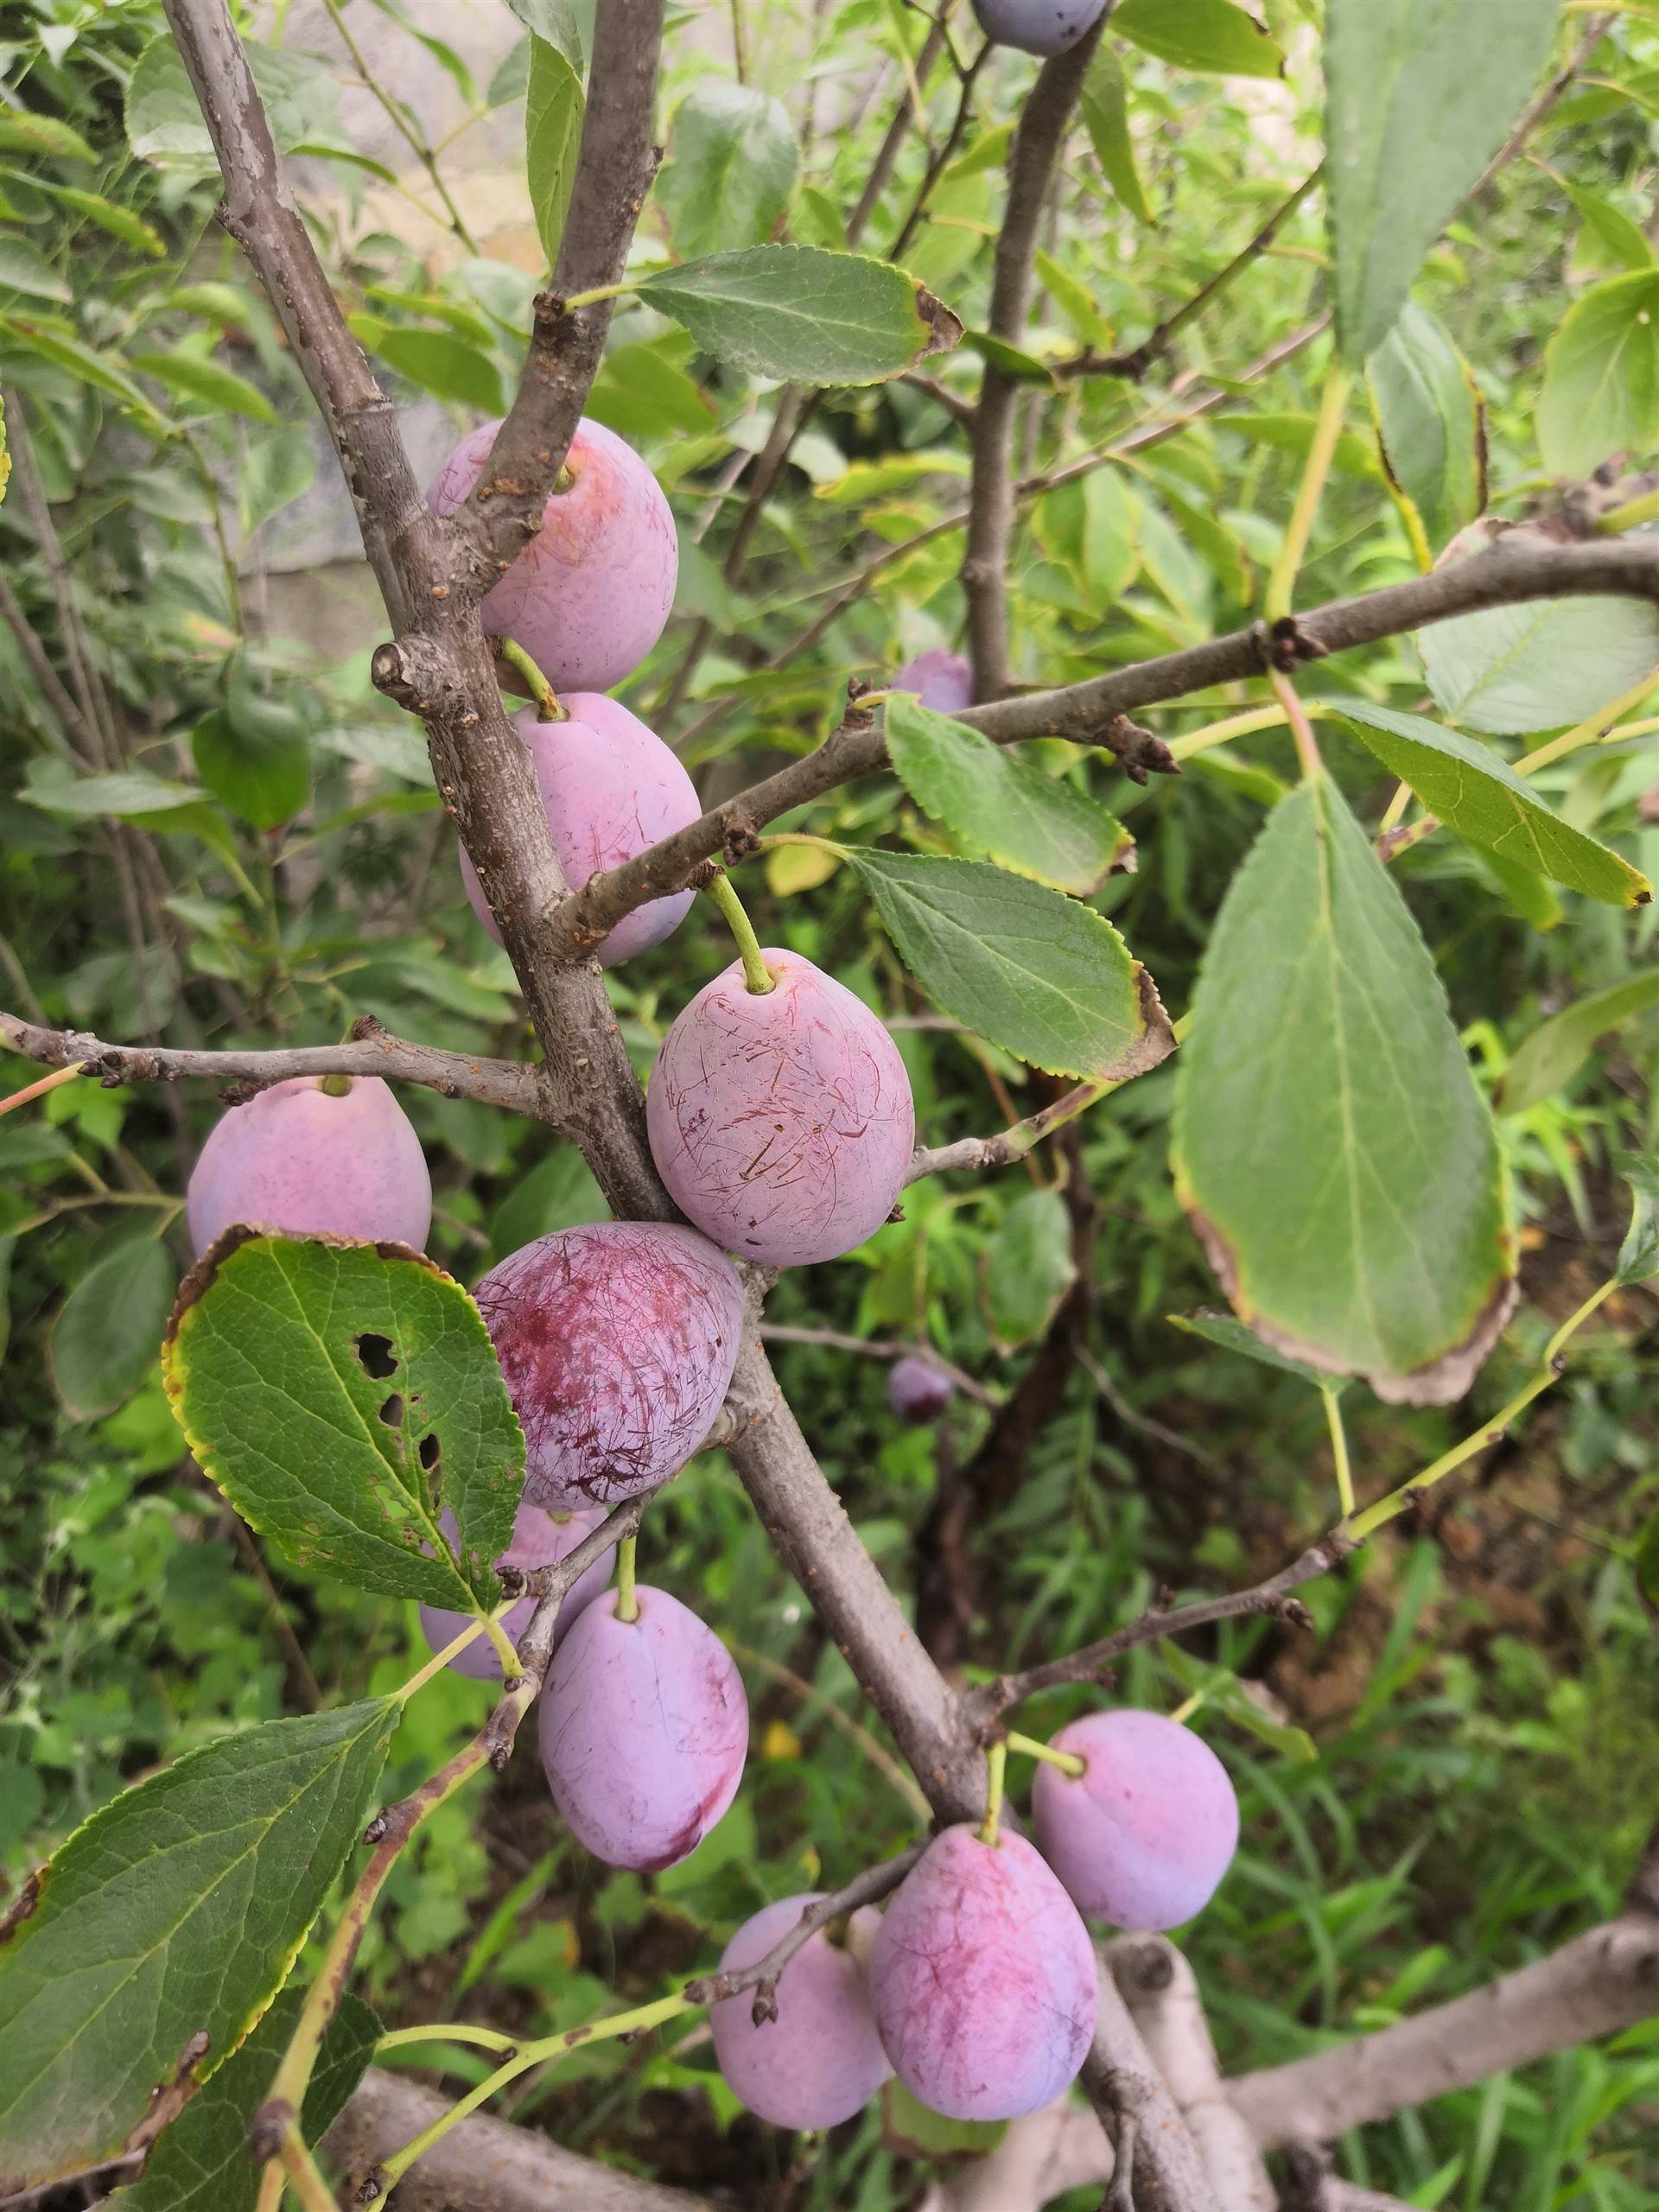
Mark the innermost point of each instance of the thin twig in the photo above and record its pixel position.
(883, 1347)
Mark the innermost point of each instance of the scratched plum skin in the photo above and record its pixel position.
(540, 1539)
(940, 680)
(589, 595)
(1143, 1837)
(644, 1730)
(781, 1121)
(1044, 27)
(298, 1159)
(918, 1389)
(983, 1979)
(821, 2060)
(617, 1340)
(609, 788)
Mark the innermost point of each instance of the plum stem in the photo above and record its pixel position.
(548, 707)
(1185, 1711)
(1068, 1761)
(996, 1762)
(598, 292)
(39, 1090)
(456, 2031)
(1339, 1450)
(627, 1603)
(755, 968)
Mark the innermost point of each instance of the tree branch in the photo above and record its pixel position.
(868, 1888)
(1161, 1991)
(883, 1347)
(512, 1083)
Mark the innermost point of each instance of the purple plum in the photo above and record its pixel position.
(983, 1979)
(617, 1341)
(1044, 27)
(781, 1121)
(310, 1160)
(609, 788)
(940, 680)
(644, 1731)
(918, 1389)
(540, 1539)
(1143, 1837)
(821, 2060)
(589, 595)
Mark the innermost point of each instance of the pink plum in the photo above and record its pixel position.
(589, 595)
(781, 1121)
(940, 680)
(1143, 1837)
(609, 788)
(644, 1730)
(821, 2060)
(1044, 27)
(306, 1161)
(918, 1389)
(983, 1979)
(617, 1341)
(540, 1539)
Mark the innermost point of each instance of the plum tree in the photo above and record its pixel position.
(1143, 1835)
(589, 596)
(609, 788)
(540, 1539)
(941, 680)
(918, 1389)
(617, 1339)
(983, 1979)
(644, 1730)
(1044, 27)
(781, 1121)
(329, 1155)
(821, 2060)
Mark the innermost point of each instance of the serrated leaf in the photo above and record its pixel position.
(23, 132)
(1419, 94)
(1048, 980)
(174, 1913)
(276, 1362)
(24, 268)
(193, 376)
(731, 168)
(1638, 1256)
(1232, 1336)
(1035, 824)
(1511, 670)
(1105, 114)
(554, 102)
(1028, 1269)
(1330, 1143)
(109, 1335)
(201, 2163)
(1475, 791)
(1430, 425)
(805, 314)
(1601, 377)
(1212, 36)
(1551, 1055)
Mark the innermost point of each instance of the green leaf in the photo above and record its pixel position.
(1232, 1336)
(1105, 114)
(567, 24)
(127, 795)
(1220, 1691)
(1024, 367)
(174, 1913)
(1330, 1143)
(22, 131)
(120, 222)
(1048, 980)
(640, 392)
(1601, 377)
(165, 123)
(1419, 94)
(201, 2163)
(553, 111)
(1622, 240)
(799, 312)
(1431, 426)
(1511, 670)
(1532, 896)
(1646, 1562)
(391, 1407)
(266, 784)
(1028, 1269)
(109, 1335)
(193, 376)
(1475, 791)
(911, 2131)
(105, 373)
(438, 361)
(1012, 812)
(1638, 1256)
(24, 268)
(1212, 36)
(1551, 1055)
(731, 168)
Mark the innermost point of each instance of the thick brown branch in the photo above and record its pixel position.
(1161, 1991)
(493, 1083)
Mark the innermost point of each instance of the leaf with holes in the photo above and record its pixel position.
(1330, 1143)
(1475, 791)
(342, 1395)
(1036, 825)
(166, 1925)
